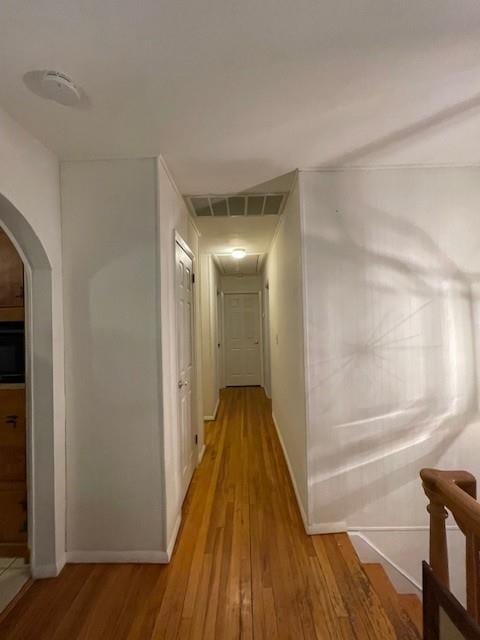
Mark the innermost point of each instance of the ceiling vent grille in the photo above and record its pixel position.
(265, 204)
(219, 206)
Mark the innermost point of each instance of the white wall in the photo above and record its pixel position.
(234, 284)
(392, 278)
(112, 379)
(283, 272)
(209, 286)
(172, 215)
(29, 180)
(124, 472)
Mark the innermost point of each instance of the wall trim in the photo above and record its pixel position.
(419, 527)
(292, 477)
(130, 556)
(384, 167)
(327, 527)
(47, 570)
(282, 217)
(148, 557)
(201, 454)
(239, 293)
(173, 537)
(44, 461)
(368, 552)
(215, 411)
(306, 355)
(161, 160)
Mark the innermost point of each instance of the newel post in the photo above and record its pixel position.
(438, 533)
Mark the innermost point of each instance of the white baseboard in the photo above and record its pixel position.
(327, 527)
(311, 529)
(214, 416)
(368, 552)
(47, 570)
(201, 454)
(173, 537)
(127, 557)
(292, 477)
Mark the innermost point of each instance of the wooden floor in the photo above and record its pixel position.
(243, 566)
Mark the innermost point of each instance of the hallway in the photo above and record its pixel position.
(243, 566)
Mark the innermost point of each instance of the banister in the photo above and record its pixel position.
(455, 491)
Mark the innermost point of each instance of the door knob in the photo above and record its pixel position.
(180, 384)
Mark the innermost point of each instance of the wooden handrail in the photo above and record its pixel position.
(457, 492)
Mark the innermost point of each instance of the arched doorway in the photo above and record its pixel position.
(42, 515)
(14, 543)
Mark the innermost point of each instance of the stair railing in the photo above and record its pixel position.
(457, 492)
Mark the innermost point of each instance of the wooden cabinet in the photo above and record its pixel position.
(11, 274)
(13, 440)
(13, 472)
(11, 281)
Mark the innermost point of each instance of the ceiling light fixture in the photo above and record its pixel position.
(238, 254)
(58, 87)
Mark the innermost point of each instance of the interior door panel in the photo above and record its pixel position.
(242, 339)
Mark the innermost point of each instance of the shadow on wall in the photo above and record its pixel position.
(393, 364)
(110, 357)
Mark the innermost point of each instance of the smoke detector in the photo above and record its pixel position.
(60, 88)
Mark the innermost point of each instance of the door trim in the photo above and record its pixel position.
(178, 240)
(220, 336)
(40, 423)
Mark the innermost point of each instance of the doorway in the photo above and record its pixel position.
(45, 425)
(185, 360)
(14, 503)
(243, 354)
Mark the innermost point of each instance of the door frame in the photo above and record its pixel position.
(178, 239)
(260, 331)
(45, 534)
(267, 345)
(220, 333)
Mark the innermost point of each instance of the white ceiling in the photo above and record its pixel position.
(236, 93)
(248, 266)
(221, 235)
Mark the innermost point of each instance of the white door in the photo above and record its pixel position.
(242, 339)
(184, 282)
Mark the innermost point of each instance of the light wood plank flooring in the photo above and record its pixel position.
(243, 566)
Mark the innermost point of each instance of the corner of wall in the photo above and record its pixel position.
(301, 507)
(326, 527)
